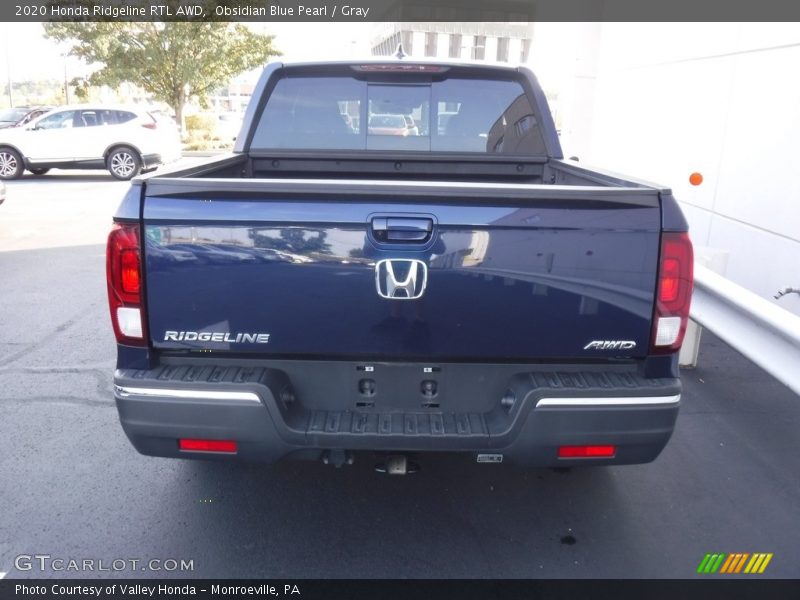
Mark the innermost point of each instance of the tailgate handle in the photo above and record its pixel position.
(402, 229)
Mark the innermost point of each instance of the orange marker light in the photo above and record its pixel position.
(695, 178)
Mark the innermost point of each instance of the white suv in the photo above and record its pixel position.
(123, 139)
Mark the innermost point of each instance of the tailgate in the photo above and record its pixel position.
(388, 270)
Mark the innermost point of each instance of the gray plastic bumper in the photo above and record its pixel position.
(258, 408)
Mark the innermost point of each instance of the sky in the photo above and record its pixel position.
(29, 55)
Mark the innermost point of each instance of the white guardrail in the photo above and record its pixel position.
(765, 333)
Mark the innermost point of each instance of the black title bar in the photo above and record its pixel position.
(401, 10)
(205, 589)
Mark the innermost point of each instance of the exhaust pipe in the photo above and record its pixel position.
(338, 458)
(397, 464)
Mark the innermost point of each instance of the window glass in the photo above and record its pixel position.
(502, 49)
(30, 117)
(525, 51)
(57, 120)
(408, 42)
(12, 115)
(476, 115)
(398, 117)
(455, 45)
(453, 115)
(103, 117)
(431, 40)
(90, 118)
(313, 112)
(123, 116)
(479, 48)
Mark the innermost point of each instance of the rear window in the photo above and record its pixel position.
(12, 115)
(123, 116)
(454, 115)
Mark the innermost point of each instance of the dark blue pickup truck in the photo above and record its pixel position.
(396, 259)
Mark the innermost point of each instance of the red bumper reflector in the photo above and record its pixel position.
(228, 446)
(586, 451)
(403, 68)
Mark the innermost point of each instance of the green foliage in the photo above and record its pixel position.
(28, 93)
(200, 123)
(173, 61)
(201, 134)
(82, 88)
(295, 240)
(194, 144)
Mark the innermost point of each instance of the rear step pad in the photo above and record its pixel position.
(412, 423)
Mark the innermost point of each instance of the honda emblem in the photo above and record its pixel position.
(401, 278)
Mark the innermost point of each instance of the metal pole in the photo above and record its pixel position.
(66, 85)
(8, 72)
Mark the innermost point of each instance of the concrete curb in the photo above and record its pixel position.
(190, 153)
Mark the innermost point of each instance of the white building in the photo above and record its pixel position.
(663, 100)
(494, 42)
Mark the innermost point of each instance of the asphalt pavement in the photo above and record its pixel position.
(73, 488)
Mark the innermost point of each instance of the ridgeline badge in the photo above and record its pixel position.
(216, 336)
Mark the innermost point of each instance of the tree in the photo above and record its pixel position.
(173, 61)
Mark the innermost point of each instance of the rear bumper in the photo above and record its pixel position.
(150, 161)
(259, 409)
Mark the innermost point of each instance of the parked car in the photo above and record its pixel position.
(470, 292)
(228, 125)
(123, 139)
(21, 115)
(411, 125)
(388, 125)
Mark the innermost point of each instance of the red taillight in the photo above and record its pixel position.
(669, 280)
(123, 273)
(674, 294)
(586, 451)
(153, 124)
(225, 446)
(129, 271)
